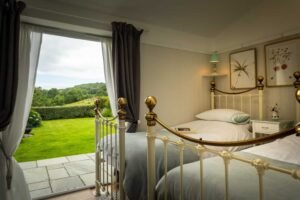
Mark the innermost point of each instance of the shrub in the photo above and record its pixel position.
(106, 112)
(65, 112)
(34, 119)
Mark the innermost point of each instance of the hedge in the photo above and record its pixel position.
(65, 112)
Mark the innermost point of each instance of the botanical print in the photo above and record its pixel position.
(243, 69)
(282, 60)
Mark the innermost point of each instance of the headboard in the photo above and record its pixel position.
(239, 100)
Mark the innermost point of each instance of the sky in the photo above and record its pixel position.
(65, 62)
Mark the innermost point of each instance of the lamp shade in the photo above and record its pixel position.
(214, 58)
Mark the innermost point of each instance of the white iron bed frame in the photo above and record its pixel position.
(108, 179)
(199, 146)
(107, 126)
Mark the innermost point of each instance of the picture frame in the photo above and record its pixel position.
(243, 70)
(282, 59)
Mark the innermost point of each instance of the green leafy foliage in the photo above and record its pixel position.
(84, 108)
(65, 112)
(34, 119)
(106, 112)
(58, 97)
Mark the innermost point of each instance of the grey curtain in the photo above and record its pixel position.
(126, 68)
(9, 47)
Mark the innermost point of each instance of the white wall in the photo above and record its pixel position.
(283, 96)
(174, 78)
(271, 19)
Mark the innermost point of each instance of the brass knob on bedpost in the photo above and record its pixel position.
(151, 102)
(122, 102)
(212, 86)
(297, 128)
(97, 106)
(297, 85)
(260, 84)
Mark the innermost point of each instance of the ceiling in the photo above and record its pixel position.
(206, 18)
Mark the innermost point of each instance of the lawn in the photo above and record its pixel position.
(56, 138)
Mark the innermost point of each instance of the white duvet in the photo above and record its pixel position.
(286, 150)
(218, 131)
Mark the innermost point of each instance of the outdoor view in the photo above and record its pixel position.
(70, 77)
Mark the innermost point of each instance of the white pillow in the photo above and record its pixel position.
(225, 115)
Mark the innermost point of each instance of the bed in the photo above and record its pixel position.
(242, 177)
(133, 168)
(268, 171)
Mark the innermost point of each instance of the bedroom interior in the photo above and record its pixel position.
(133, 144)
(177, 42)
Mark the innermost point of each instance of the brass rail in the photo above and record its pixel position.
(122, 102)
(259, 85)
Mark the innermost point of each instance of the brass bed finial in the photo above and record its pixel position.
(297, 129)
(122, 102)
(260, 84)
(297, 85)
(212, 86)
(151, 102)
(97, 105)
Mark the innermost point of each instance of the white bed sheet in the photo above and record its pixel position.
(218, 131)
(286, 149)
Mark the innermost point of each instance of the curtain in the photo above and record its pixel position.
(9, 40)
(106, 45)
(30, 43)
(126, 68)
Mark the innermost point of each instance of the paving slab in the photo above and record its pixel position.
(28, 165)
(88, 179)
(66, 184)
(91, 155)
(55, 166)
(58, 173)
(34, 175)
(54, 175)
(52, 161)
(38, 185)
(78, 157)
(40, 193)
(80, 167)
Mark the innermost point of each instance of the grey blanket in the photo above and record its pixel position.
(243, 181)
(135, 181)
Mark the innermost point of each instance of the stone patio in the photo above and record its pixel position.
(50, 176)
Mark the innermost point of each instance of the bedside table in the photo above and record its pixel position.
(261, 127)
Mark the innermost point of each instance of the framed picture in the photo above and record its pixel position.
(243, 69)
(282, 59)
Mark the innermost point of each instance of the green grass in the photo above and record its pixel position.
(57, 138)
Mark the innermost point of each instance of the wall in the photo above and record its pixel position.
(270, 19)
(283, 96)
(174, 77)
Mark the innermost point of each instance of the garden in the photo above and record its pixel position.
(61, 122)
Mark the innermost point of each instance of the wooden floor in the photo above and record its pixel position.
(87, 194)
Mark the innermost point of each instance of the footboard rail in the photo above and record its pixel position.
(110, 151)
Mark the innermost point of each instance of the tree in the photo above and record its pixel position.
(52, 93)
(57, 97)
